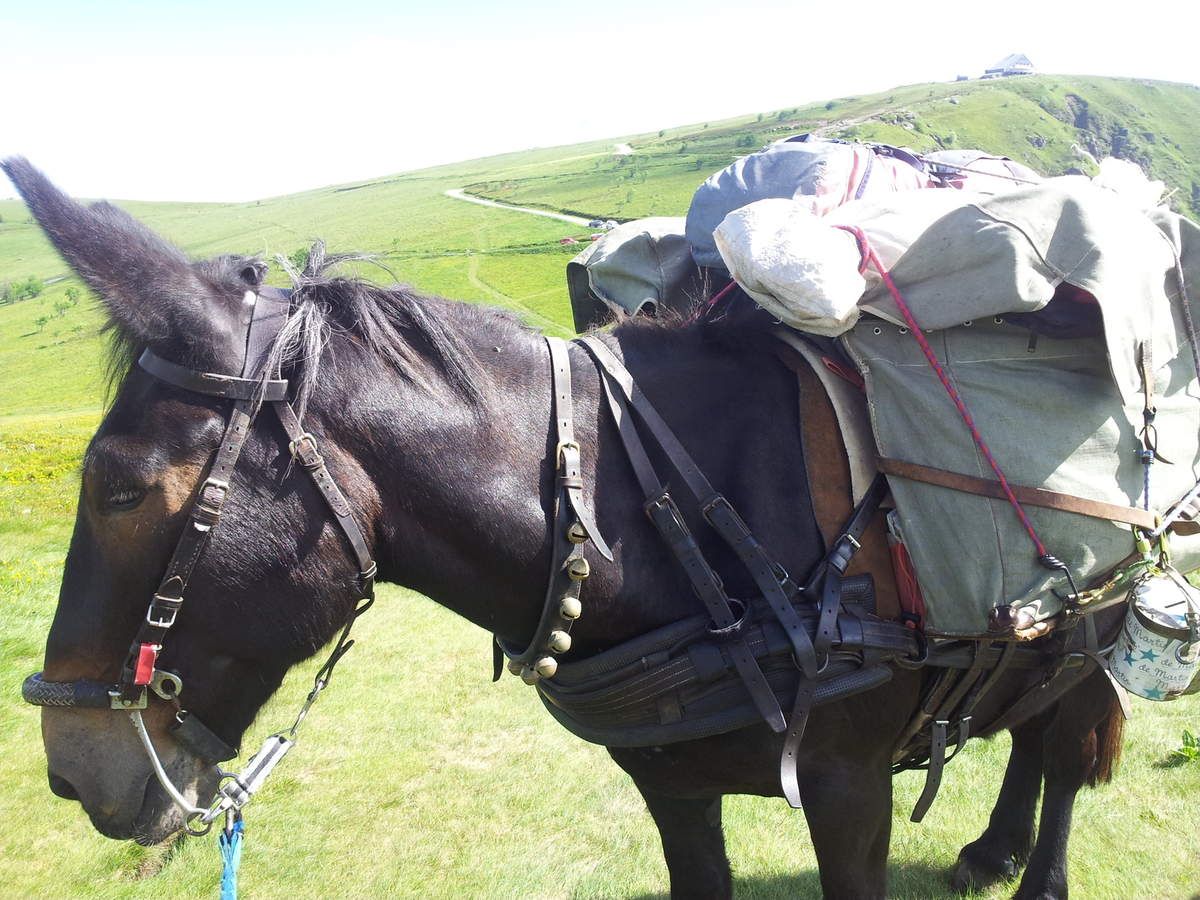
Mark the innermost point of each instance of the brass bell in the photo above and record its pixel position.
(571, 608)
(579, 569)
(515, 666)
(529, 676)
(560, 641)
(576, 533)
(546, 666)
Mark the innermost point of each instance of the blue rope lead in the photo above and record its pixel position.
(230, 844)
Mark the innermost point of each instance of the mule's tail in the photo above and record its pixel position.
(1108, 735)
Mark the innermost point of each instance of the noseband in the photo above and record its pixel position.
(266, 311)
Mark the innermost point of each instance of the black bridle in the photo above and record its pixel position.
(266, 312)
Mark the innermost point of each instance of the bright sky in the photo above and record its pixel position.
(224, 100)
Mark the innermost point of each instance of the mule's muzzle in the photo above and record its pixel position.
(83, 694)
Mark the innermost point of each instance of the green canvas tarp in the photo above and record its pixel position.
(1061, 414)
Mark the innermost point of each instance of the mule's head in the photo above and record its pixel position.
(275, 580)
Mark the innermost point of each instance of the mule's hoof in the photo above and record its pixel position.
(970, 875)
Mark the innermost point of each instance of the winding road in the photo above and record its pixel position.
(460, 194)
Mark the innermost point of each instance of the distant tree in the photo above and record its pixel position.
(299, 258)
(705, 125)
(683, 147)
(6, 292)
(746, 140)
(41, 322)
(830, 105)
(760, 117)
(61, 307)
(782, 115)
(662, 133)
(72, 295)
(33, 286)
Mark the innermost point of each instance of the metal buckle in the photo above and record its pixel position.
(562, 446)
(206, 511)
(115, 701)
(172, 604)
(294, 447)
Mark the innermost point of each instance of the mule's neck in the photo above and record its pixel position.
(467, 487)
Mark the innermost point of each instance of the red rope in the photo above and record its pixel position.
(869, 255)
(713, 300)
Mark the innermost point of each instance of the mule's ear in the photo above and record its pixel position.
(252, 272)
(148, 285)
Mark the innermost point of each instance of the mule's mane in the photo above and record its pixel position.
(405, 329)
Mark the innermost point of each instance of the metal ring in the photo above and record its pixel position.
(166, 685)
(192, 830)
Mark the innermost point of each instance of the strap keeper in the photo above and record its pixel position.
(366, 580)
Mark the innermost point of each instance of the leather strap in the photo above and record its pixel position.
(717, 510)
(706, 584)
(303, 448)
(985, 487)
(933, 775)
(567, 450)
(203, 517)
(212, 384)
(569, 510)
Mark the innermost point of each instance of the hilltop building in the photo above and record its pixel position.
(1013, 64)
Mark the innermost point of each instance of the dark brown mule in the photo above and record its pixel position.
(435, 419)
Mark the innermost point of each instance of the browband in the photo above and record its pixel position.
(214, 385)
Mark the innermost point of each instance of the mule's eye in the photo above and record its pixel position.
(125, 498)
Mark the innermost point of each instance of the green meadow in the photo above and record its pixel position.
(415, 776)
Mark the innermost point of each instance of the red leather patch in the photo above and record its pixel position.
(147, 655)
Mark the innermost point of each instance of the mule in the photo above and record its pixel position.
(435, 419)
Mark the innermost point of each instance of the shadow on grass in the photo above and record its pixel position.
(905, 880)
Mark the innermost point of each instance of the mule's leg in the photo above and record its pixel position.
(693, 844)
(1079, 746)
(1002, 849)
(848, 806)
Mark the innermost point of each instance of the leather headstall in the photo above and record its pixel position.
(265, 313)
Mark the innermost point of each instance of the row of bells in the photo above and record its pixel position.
(570, 609)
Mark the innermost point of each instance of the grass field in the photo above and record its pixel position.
(415, 776)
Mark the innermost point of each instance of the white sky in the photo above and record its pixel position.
(211, 101)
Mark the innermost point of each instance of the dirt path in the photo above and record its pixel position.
(460, 194)
(534, 317)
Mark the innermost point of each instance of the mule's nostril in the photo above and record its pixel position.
(62, 788)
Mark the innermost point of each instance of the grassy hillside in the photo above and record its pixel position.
(1036, 120)
(416, 777)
